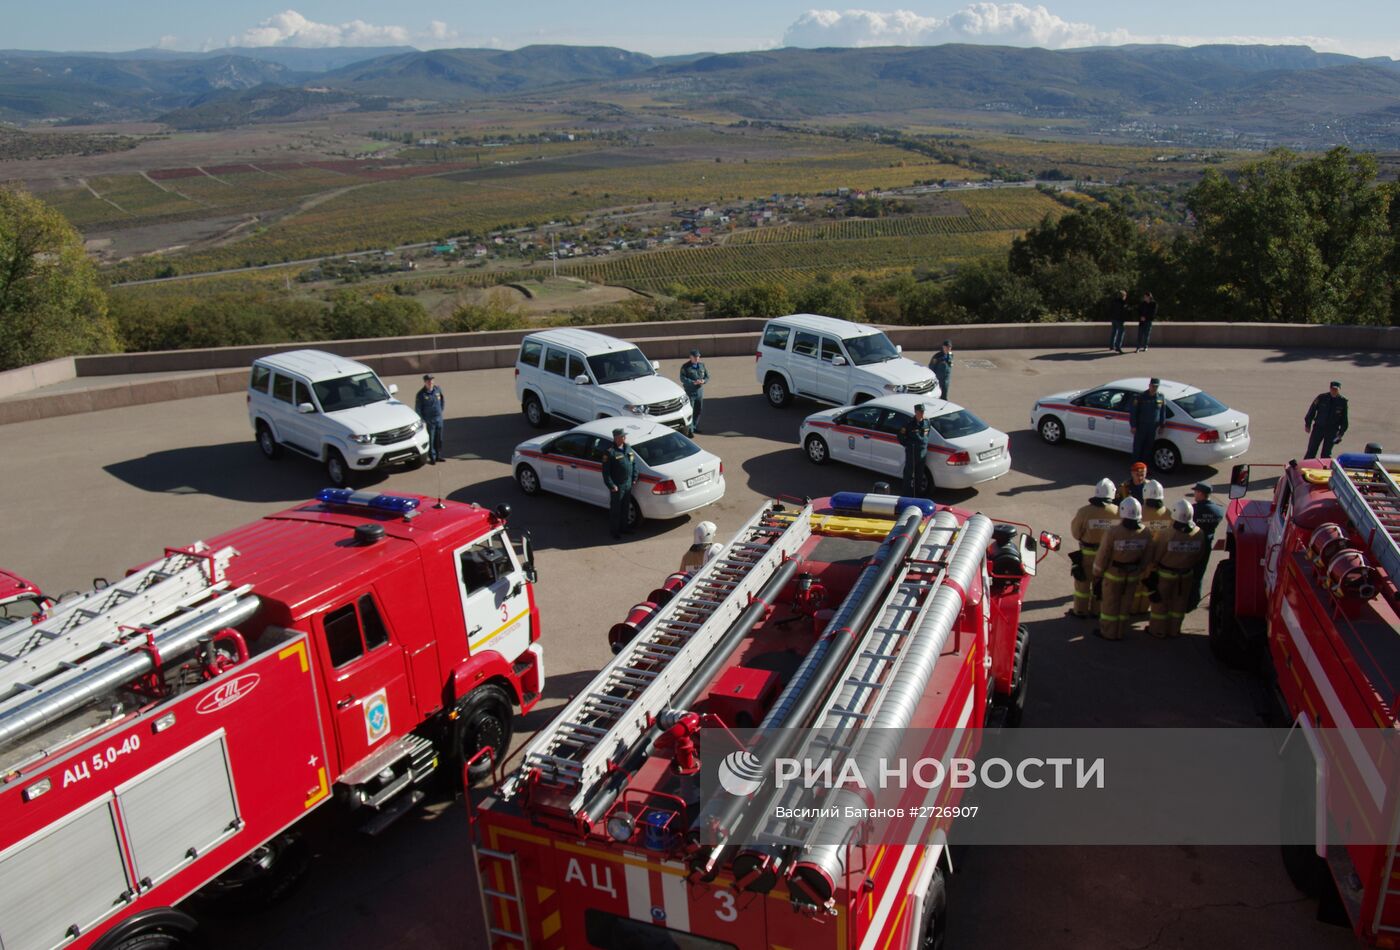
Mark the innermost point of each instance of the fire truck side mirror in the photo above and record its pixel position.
(1239, 481)
(99, 583)
(527, 557)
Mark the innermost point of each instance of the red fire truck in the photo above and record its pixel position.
(846, 617)
(162, 734)
(1309, 588)
(19, 599)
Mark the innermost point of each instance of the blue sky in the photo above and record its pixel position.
(667, 26)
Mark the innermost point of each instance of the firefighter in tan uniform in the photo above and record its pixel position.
(1157, 518)
(1170, 573)
(1117, 568)
(1088, 526)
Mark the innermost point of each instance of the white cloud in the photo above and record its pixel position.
(290, 28)
(168, 41)
(440, 32)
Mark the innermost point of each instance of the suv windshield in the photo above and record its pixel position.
(619, 366)
(874, 348)
(1199, 405)
(349, 392)
(955, 425)
(664, 449)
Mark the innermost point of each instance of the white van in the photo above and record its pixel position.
(834, 361)
(334, 410)
(579, 376)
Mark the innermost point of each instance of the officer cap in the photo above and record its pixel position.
(618, 432)
(1335, 385)
(1373, 448)
(1202, 487)
(694, 352)
(1140, 467)
(947, 342)
(918, 407)
(1154, 381)
(427, 376)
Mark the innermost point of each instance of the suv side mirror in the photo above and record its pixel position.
(838, 361)
(305, 407)
(581, 379)
(393, 389)
(655, 366)
(1239, 481)
(899, 349)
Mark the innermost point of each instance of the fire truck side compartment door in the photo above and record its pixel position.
(366, 683)
(179, 809)
(70, 873)
(495, 606)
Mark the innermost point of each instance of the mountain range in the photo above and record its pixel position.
(1288, 89)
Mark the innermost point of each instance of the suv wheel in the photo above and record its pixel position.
(534, 411)
(268, 442)
(336, 469)
(777, 391)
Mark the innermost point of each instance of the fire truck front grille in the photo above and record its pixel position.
(392, 436)
(665, 408)
(923, 387)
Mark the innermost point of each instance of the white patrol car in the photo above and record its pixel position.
(1200, 429)
(334, 410)
(579, 375)
(834, 361)
(962, 449)
(674, 475)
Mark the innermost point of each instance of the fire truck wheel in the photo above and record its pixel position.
(776, 389)
(817, 452)
(934, 927)
(158, 940)
(527, 479)
(1016, 701)
(271, 449)
(336, 469)
(1165, 457)
(1052, 430)
(483, 719)
(1227, 637)
(267, 875)
(534, 411)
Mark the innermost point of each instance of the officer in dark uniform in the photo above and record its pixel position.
(914, 438)
(1207, 515)
(619, 474)
(942, 366)
(1146, 416)
(694, 376)
(1117, 316)
(1326, 420)
(430, 404)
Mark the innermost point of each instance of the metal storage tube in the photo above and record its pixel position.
(45, 708)
(819, 864)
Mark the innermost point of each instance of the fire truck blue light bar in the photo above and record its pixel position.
(364, 499)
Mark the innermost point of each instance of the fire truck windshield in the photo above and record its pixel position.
(350, 392)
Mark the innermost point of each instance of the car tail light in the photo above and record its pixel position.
(667, 487)
(721, 468)
(1210, 435)
(959, 458)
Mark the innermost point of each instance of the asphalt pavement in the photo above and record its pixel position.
(90, 495)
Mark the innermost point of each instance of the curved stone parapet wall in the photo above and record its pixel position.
(187, 373)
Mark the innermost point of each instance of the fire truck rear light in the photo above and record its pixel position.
(959, 458)
(364, 499)
(621, 827)
(37, 789)
(1210, 435)
(164, 723)
(667, 487)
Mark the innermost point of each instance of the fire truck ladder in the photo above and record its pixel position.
(494, 896)
(854, 701)
(607, 717)
(1371, 498)
(79, 635)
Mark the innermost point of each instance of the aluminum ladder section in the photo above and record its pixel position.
(1371, 499)
(900, 614)
(104, 620)
(620, 703)
(495, 890)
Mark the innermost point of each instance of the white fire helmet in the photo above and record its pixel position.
(1130, 509)
(704, 532)
(1152, 490)
(1182, 512)
(1104, 489)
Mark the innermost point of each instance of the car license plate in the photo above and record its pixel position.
(697, 480)
(1234, 434)
(989, 454)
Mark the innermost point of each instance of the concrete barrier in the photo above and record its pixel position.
(660, 341)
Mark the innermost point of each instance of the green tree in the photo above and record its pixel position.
(830, 298)
(355, 316)
(1077, 260)
(51, 303)
(1299, 241)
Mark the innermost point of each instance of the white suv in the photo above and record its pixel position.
(834, 361)
(579, 376)
(333, 410)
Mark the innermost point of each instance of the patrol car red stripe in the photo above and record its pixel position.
(580, 463)
(880, 436)
(1081, 411)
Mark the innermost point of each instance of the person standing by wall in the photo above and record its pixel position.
(694, 376)
(1326, 421)
(1117, 317)
(1146, 417)
(942, 366)
(431, 404)
(1147, 312)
